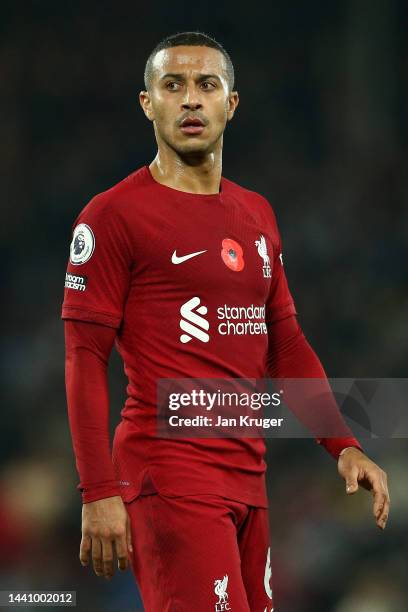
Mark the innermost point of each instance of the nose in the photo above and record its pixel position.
(191, 100)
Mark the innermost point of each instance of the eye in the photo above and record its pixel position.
(207, 85)
(172, 85)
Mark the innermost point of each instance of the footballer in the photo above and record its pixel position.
(155, 259)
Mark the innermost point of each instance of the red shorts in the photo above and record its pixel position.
(200, 553)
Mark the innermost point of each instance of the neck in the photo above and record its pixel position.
(201, 175)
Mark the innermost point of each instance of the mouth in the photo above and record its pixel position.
(192, 125)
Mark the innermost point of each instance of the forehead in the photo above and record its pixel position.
(184, 58)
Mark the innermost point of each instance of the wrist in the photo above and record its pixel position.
(335, 446)
(95, 492)
(348, 448)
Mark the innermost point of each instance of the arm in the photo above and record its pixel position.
(96, 287)
(104, 517)
(87, 350)
(291, 356)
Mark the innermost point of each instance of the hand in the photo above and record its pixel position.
(104, 522)
(355, 467)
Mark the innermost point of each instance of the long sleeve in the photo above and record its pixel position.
(88, 346)
(291, 356)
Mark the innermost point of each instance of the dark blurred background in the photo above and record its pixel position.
(322, 131)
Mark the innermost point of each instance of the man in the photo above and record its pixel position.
(174, 241)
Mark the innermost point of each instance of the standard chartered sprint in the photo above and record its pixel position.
(241, 320)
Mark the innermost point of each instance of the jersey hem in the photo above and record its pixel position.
(148, 486)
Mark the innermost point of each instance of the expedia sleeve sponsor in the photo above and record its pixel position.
(74, 281)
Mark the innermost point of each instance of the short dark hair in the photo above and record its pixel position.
(194, 39)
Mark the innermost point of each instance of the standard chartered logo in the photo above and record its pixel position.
(241, 320)
(192, 323)
(233, 320)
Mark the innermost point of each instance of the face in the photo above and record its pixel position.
(189, 100)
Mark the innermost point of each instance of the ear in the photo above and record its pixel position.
(233, 101)
(146, 104)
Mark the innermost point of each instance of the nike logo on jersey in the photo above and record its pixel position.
(178, 260)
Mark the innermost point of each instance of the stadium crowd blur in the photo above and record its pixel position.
(321, 130)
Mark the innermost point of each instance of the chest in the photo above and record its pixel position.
(216, 247)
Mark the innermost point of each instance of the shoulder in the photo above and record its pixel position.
(252, 200)
(114, 201)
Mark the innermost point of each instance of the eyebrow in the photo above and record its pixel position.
(201, 77)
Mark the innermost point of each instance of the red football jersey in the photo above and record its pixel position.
(142, 256)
